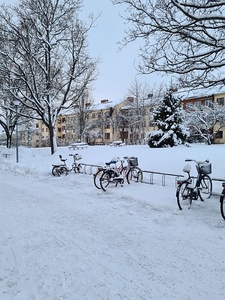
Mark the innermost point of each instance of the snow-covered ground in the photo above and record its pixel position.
(62, 238)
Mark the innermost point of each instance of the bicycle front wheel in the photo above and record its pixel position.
(205, 188)
(134, 175)
(97, 177)
(107, 178)
(183, 196)
(76, 168)
(222, 206)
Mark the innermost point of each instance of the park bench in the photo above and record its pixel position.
(117, 144)
(78, 146)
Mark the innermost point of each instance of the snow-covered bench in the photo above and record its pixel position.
(117, 144)
(77, 146)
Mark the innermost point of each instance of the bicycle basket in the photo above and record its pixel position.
(133, 161)
(206, 168)
(78, 157)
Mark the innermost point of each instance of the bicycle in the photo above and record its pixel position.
(222, 203)
(193, 188)
(63, 169)
(108, 166)
(130, 172)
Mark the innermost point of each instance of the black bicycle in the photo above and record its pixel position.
(111, 165)
(131, 173)
(192, 187)
(222, 203)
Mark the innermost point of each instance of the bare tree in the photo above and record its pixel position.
(45, 55)
(82, 111)
(138, 102)
(185, 38)
(205, 122)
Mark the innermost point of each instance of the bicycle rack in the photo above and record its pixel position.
(164, 175)
(88, 167)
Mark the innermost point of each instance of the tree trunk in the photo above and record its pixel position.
(52, 139)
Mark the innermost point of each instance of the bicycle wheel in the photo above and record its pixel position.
(97, 177)
(63, 171)
(107, 178)
(55, 171)
(134, 175)
(123, 173)
(76, 168)
(222, 205)
(184, 200)
(205, 189)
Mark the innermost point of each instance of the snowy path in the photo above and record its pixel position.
(59, 242)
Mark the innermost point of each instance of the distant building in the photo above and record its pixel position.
(199, 98)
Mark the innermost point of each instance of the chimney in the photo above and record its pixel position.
(104, 101)
(130, 99)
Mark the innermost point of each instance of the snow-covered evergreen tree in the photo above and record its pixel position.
(168, 119)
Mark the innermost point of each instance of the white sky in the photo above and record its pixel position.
(116, 71)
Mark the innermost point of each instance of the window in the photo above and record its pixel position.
(219, 135)
(198, 104)
(208, 103)
(189, 106)
(220, 101)
(107, 136)
(93, 116)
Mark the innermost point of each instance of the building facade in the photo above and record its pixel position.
(101, 123)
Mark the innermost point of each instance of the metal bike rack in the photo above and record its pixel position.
(162, 174)
(89, 167)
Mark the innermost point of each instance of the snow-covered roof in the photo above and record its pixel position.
(104, 104)
(200, 92)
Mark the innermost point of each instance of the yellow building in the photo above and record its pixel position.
(101, 123)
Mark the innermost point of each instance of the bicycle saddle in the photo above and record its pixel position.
(111, 162)
(62, 159)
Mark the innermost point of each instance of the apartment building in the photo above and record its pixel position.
(100, 123)
(200, 98)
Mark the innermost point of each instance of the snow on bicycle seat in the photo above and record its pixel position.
(111, 162)
(62, 159)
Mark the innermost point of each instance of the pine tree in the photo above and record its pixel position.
(168, 118)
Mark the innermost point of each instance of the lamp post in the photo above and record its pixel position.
(16, 103)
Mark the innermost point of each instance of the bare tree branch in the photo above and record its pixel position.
(183, 38)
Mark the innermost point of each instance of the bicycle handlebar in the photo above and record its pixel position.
(196, 161)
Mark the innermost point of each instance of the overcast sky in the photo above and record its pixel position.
(116, 70)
